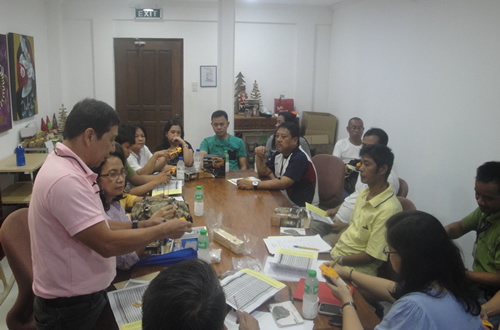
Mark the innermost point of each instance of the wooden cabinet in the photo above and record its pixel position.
(254, 131)
(242, 124)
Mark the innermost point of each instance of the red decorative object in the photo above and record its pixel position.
(43, 126)
(283, 105)
(54, 122)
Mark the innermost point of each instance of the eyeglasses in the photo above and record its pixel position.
(114, 174)
(387, 252)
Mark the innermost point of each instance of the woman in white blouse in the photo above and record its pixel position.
(141, 159)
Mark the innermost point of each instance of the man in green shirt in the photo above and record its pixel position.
(485, 220)
(222, 141)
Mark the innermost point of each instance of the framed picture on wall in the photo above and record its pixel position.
(208, 76)
(5, 110)
(23, 77)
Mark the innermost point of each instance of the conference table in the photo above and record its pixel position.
(249, 212)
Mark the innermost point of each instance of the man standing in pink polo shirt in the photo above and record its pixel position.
(72, 244)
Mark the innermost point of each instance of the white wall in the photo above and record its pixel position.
(286, 50)
(29, 17)
(279, 46)
(428, 73)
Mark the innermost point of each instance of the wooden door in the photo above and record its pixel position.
(149, 83)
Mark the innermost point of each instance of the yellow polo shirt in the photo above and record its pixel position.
(127, 201)
(366, 231)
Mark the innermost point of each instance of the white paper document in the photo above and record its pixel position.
(303, 243)
(126, 304)
(315, 213)
(287, 275)
(247, 289)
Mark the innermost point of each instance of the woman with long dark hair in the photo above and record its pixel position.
(432, 290)
(173, 138)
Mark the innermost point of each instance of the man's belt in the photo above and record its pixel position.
(70, 301)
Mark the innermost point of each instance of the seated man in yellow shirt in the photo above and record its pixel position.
(361, 245)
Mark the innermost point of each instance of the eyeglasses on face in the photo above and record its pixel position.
(387, 252)
(113, 175)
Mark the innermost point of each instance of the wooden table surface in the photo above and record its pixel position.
(246, 211)
(33, 162)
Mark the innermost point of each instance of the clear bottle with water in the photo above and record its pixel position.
(198, 202)
(310, 302)
(181, 168)
(203, 243)
(226, 154)
(197, 160)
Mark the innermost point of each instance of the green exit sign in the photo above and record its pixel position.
(147, 13)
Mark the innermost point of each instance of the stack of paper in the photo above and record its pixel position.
(294, 259)
(304, 243)
(247, 289)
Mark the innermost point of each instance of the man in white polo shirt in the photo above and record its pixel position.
(71, 241)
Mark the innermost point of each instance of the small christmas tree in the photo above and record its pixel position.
(256, 95)
(62, 119)
(237, 91)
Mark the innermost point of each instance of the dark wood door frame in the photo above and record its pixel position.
(149, 83)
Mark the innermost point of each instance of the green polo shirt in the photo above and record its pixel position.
(130, 171)
(487, 258)
(234, 145)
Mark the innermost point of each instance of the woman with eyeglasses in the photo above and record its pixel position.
(432, 290)
(111, 179)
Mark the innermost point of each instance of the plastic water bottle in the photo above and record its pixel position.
(310, 302)
(20, 158)
(197, 160)
(203, 243)
(180, 170)
(227, 160)
(198, 202)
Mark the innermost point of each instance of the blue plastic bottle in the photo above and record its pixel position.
(20, 158)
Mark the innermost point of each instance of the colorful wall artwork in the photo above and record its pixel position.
(5, 110)
(23, 78)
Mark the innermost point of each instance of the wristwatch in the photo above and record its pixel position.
(135, 224)
(255, 184)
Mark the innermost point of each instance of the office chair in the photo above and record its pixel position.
(15, 240)
(331, 172)
(403, 188)
(406, 204)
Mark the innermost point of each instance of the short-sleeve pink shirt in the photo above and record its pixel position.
(64, 202)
